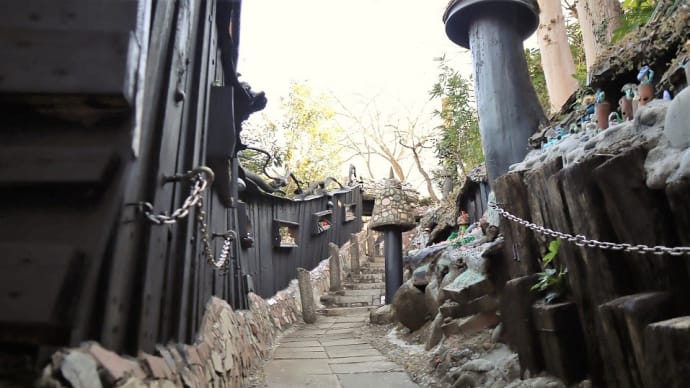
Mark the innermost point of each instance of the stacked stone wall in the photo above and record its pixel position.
(230, 344)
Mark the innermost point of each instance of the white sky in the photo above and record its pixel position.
(353, 49)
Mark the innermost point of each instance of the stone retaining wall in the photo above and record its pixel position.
(230, 343)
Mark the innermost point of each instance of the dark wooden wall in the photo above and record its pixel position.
(271, 268)
(83, 141)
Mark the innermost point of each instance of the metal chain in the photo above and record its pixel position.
(201, 178)
(583, 241)
(206, 237)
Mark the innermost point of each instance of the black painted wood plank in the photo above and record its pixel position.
(128, 248)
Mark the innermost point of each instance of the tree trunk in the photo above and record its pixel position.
(556, 58)
(598, 19)
(397, 168)
(427, 178)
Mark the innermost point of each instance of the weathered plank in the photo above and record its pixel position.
(605, 280)
(569, 258)
(127, 248)
(521, 255)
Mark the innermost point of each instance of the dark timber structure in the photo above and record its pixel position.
(102, 102)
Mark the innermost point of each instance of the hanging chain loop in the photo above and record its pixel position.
(583, 241)
(201, 178)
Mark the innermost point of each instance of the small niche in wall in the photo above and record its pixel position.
(285, 234)
(350, 212)
(321, 221)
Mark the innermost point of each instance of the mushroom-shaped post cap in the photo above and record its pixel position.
(460, 14)
(393, 208)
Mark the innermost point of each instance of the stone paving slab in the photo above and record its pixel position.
(352, 353)
(346, 325)
(376, 380)
(364, 367)
(291, 338)
(285, 367)
(287, 355)
(358, 359)
(362, 318)
(327, 354)
(301, 348)
(308, 333)
(363, 346)
(340, 331)
(339, 336)
(344, 341)
(301, 344)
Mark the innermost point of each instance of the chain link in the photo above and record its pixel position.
(201, 178)
(583, 241)
(221, 263)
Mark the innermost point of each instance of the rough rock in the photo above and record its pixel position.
(479, 365)
(651, 115)
(470, 325)
(420, 276)
(410, 307)
(466, 380)
(497, 333)
(383, 315)
(436, 334)
(660, 163)
(467, 286)
(427, 254)
(80, 370)
(486, 303)
(677, 122)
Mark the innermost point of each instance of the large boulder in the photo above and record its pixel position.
(410, 306)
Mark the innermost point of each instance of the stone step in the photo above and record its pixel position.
(374, 270)
(338, 311)
(366, 291)
(369, 278)
(365, 298)
(356, 300)
(364, 286)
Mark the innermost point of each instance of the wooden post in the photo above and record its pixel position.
(306, 295)
(506, 100)
(371, 245)
(334, 264)
(354, 254)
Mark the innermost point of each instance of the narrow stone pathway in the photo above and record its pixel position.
(328, 354)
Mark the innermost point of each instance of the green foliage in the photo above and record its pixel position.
(304, 140)
(554, 246)
(459, 146)
(635, 14)
(552, 282)
(536, 74)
